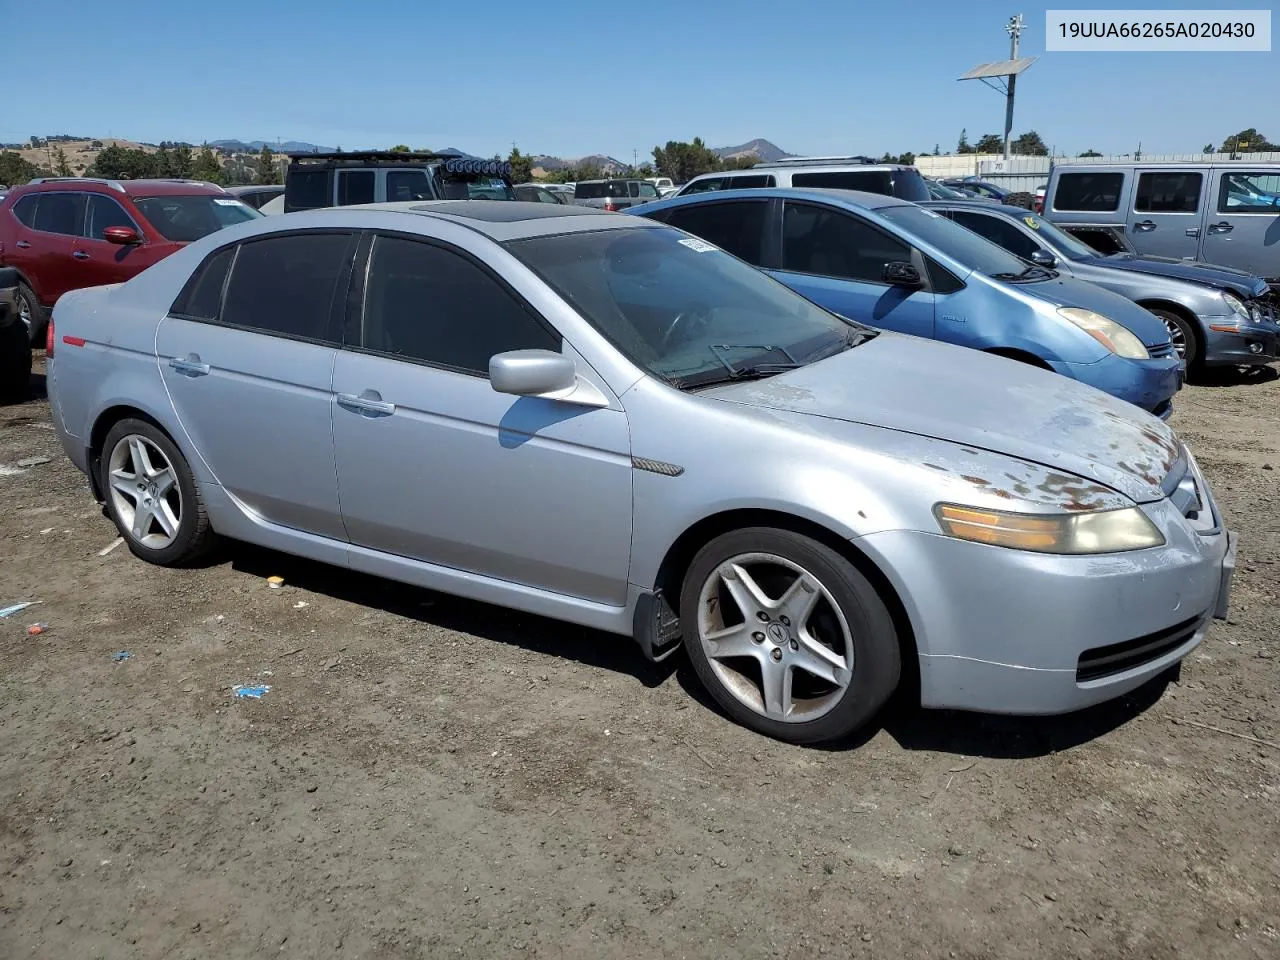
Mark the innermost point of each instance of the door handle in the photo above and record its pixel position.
(1144, 226)
(1223, 227)
(190, 365)
(364, 404)
(80, 255)
(23, 244)
(1193, 232)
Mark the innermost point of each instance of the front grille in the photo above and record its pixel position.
(1160, 351)
(1107, 661)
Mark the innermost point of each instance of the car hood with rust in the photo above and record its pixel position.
(967, 397)
(1240, 282)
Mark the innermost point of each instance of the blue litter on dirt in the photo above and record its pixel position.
(122, 655)
(256, 692)
(8, 611)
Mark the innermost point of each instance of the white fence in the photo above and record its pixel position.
(1027, 173)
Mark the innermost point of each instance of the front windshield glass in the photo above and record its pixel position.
(963, 246)
(682, 308)
(940, 191)
(1054, 235)
(187, 218)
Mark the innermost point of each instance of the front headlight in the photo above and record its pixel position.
(1104, 531)
(1237, 306)
(1107, 332)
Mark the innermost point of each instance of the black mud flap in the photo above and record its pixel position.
(656, 627)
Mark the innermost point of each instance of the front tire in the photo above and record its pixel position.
(151, 495)
(15, 363)
(787, 635)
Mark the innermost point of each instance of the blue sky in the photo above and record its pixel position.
(571, 78)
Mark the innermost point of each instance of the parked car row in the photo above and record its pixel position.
(611, 421)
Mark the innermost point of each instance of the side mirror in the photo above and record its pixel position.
(1043, 258)
(125, 236)
(901, 274)
(543, 373)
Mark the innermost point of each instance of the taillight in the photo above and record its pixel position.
(48, 339)
(610, 206)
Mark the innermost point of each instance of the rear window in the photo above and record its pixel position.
(25, 210)
(183, 219)
(599, 189)
(308, 189)
(906, 184)
(1092, 192)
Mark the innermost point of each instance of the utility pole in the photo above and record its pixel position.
(1014, 29)
(635, 160)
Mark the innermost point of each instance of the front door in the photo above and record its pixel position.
(1165, 217)
(249, 373)
(434, 465)
(96, 260)
(1242, 227)
(837, 260)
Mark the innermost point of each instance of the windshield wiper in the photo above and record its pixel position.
(1026, 274)
(754, 371)
(853, 338)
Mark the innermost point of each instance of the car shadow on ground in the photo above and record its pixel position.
(37, 389)
(1237, 376)
(594, 648)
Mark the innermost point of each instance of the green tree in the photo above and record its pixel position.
(60, 166)
(963, 145)
(1089, 153)
(14, 169)
(162, 160)
(1247, 141)
(181, 162)
(683, 161)
(1209, 148)
(122, 163)
(1029, 144)
(267, 171)
(989, 143)
(207, 167)
(401, 148)
(521, 165)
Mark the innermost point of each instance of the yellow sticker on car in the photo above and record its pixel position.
(1031, 222)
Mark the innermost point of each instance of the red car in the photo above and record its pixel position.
(65, 233)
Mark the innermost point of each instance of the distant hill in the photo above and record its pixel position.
(759, 147)
(607, 164)
(254, 146)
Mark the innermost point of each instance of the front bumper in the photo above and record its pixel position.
(1149, 384)
(1007, 631)
(1248, 345)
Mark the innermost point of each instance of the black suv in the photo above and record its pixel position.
(15, 348)
(384, 176)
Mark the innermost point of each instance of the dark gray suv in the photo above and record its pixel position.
(613, 194)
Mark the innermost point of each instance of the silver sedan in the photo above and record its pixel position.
(605, 420)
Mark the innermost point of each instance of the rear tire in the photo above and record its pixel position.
(151, 495)
(1020, 199)
(816, 655)
(15, 363)
(1185, 337)
(33, 315)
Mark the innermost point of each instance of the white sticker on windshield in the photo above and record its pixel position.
(226, 203)
(698, 246)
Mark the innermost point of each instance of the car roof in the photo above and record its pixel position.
(253, 188)
(858, 199)
(130, 188)
(982, 206)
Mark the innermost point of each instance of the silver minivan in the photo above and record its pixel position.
(1226, 213)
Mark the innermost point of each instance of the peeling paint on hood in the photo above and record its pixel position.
(966, 397)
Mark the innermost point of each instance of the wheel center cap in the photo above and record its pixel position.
(778, 633)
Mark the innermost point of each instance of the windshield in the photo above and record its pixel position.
(940, 191)
(963, 246)
(1054, 235)
(682, 308)
(184, 219)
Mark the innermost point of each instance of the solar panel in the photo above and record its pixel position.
(1001, 68)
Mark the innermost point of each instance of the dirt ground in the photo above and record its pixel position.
(430, 777)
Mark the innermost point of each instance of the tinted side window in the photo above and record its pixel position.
(999, 231)
(941, 280)
(60, 213)
(1171, 192)
(1249, 193)
(831, 243)
(426, 303)
(104, 212)
(25, 210)
(736, 226)
(201, 298)
(1096, 192)
(285, 285)
(752, 182)
(704, 186)
(408, 185)
(589, 191)
(872, 181)
(308, 189)
(355, 186)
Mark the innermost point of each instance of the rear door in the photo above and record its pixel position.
(247, 354)
(1242, 226)
(43, 251)
(1164, 213)
(837, 260)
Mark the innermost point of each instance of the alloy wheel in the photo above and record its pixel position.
(25, 314)
(1177, 335)
(775, 637)
(145, 492)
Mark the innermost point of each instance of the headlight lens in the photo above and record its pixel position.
(1107, 332)
(1104, 531)
(1237, 305)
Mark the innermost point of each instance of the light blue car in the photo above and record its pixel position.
(898, 266)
